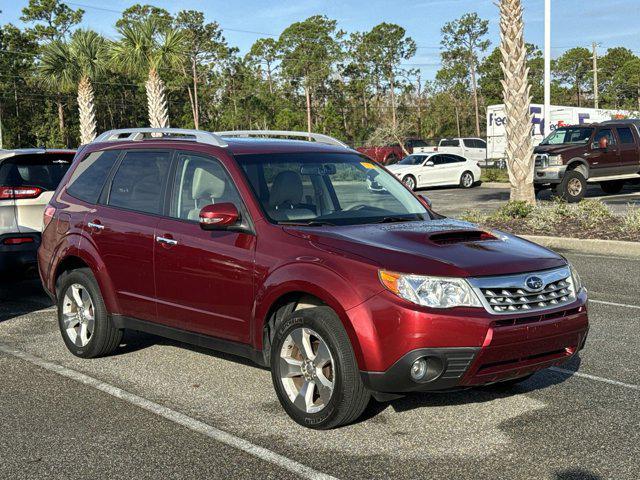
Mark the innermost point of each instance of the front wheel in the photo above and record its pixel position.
(467, 180)
(573, 187)
(410, 182)
(314, 370)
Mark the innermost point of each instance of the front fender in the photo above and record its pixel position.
(335, 291)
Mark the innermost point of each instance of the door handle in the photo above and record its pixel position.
(166, 241)
(95, 226)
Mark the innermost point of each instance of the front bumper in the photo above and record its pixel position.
(18, 258)
(544, 175)
(510, 348)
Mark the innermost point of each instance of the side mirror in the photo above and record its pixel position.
(219, 216)
(429, 163)
(603, 143)
(426, 201)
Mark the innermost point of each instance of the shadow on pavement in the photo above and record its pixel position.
(576, 474)
(21, 296)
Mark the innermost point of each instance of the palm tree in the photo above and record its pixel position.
(56, 72)
(517, 100)
(144, 48)
(65, 66)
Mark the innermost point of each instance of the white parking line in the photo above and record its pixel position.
(614, 304)
(597, 379)
(174, 416)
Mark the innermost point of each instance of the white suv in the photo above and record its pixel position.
(28, 179)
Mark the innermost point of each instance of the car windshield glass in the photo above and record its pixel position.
(411, 160)
(329, 189)
(568, 135)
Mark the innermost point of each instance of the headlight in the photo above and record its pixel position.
(575, 279)
(555, 160)
(434, 292)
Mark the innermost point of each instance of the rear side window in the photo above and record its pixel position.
(42, 171)
(89, 176)
(626, 137)
(139, 182)
(450, 143)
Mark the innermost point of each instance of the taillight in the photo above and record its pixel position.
(17, 240)
(49, 212)
(18, 193)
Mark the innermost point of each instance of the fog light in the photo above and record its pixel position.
(419, 369)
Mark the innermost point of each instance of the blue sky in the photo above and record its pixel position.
(575, 22)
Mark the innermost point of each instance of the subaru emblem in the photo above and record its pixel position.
(534, 284)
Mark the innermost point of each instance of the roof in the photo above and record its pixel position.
(246, 146)
(34, 151)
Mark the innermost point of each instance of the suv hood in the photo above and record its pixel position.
(567, 149)
(442, 247)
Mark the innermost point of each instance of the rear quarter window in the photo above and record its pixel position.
(40, 170)
(88, 178)
(450, 143)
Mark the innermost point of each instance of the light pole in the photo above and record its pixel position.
(547, 67)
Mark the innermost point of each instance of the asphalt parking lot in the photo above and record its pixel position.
(455, 201)
(160, 409)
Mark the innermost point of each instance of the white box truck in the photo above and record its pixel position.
(559, 116)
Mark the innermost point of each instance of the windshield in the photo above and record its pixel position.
(412, 160)
(328, 189)
(568, 135)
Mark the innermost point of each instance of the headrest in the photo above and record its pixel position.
(286, 189)
(206, 184)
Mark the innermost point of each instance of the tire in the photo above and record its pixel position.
(88, 341)
(391, 159)
(410, 181)
(467, 180)
(573, 187)
(612, 187)
(323, 330)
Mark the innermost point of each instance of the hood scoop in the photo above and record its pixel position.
(460, 236)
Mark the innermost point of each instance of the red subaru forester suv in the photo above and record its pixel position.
(279, 251)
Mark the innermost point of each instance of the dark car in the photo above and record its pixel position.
(572, 156)
(277, 250)
(28, 179)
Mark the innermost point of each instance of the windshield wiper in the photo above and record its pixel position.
(398, 219)
(311, 223)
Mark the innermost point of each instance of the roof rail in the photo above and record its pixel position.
(137, 134)
(318, 137)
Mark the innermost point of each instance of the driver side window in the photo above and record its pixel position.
(604, 133)
(200, 181)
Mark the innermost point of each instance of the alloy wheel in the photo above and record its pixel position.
(410, 182)
(574, 187)
(467, 180)
(307, 370)
(78, 315)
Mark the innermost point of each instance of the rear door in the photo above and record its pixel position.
(122, 227)
(629, 152)
(476, 149)
(204, 279)
(27, 183)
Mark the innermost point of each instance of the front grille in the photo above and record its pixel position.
(514, 293)
(519, 300)
(542, 160)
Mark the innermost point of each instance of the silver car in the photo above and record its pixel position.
(28, 179)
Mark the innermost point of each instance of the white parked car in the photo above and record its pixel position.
(436, 169)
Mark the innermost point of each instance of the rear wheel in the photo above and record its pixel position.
(85, 326)
(410, 181)
(314, 370)
(467, 180)
(573, 187)
(611, 187)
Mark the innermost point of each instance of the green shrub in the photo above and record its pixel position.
(631, 221)
(514, 209)
(495, 175)
(544, 219)
(474, 216)
(592, 213)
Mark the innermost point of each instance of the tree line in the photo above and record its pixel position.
(61, 84)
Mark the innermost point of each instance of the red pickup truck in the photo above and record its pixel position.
(390, 154)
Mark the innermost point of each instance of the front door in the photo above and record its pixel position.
(204, 279)
(122, 228)
(605, 161)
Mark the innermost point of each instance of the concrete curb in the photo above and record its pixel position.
(495, 185)
(590, 246)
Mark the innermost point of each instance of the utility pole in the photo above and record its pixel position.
(547, 67)
(596, 101)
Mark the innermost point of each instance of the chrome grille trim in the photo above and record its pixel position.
(541, 160)
(508, 294)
